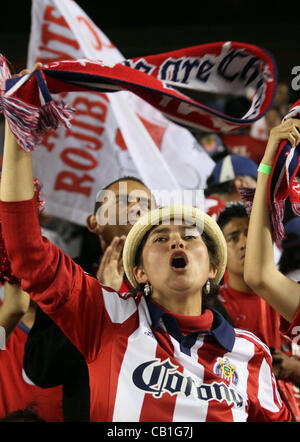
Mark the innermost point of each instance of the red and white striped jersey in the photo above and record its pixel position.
(141, 367)
(17, 392)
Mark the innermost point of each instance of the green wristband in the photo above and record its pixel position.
(265, 168)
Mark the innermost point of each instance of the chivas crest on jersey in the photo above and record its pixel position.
(226, 370)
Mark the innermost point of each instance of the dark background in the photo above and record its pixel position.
(146, 27)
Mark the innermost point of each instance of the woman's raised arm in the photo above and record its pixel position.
(260, 271)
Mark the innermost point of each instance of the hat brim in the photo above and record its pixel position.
(187, 214)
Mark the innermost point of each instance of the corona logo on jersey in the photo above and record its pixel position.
(226, 370)
(159, 377)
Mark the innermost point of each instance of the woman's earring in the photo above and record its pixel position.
(147, 289)
(207, 287)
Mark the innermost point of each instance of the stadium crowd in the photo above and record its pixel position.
(158, 323)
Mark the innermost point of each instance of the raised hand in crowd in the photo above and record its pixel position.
(111, 270)
(285, 366)
(15, 304)
(261, 273)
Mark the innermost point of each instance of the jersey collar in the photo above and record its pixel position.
(221, 330)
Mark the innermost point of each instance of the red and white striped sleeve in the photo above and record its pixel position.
(265, 403)
(78, 304)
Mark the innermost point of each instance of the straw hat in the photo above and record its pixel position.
(187, 214)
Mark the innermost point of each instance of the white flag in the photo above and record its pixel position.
(112, 135)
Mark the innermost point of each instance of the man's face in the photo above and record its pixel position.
(235, 232)
(124, 203)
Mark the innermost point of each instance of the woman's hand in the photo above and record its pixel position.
(288, 130)
(28, 71)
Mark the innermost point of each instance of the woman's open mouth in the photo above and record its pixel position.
(178, 261)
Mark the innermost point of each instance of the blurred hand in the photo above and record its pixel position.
(16, 301)
(15, 304)
(111, 270)
(28, 71)
(283, 365)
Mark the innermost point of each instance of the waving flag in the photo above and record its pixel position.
(104, 127)
(100, 146)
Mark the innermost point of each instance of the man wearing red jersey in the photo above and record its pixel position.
(246, 309)
(17, 391)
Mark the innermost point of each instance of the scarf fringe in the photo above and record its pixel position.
(52, 114)
(29, 123)
(277, 215)
(38, 193)
(247, 196)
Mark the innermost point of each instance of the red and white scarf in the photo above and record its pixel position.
(284, 183)
(163, 80)
(285, 180)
